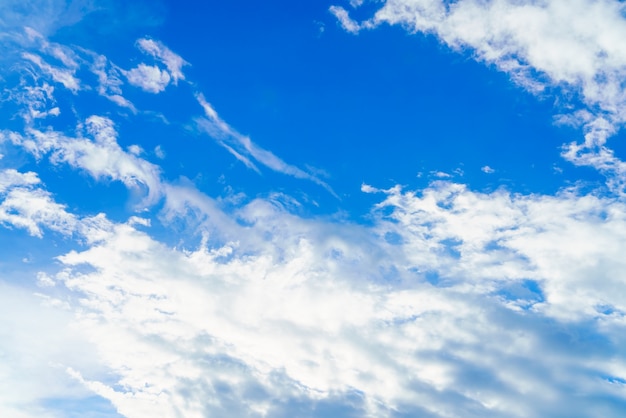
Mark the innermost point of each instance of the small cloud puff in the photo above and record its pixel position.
(488, 170)
(440, 174)
(159, 152)
(149, 78)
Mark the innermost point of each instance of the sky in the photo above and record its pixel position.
(344, 208)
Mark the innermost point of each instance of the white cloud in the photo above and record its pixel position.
(60, 75)
(244, 149)
(23, 206)
(36, 102)
(101, 156)
(440, 174)
(313, 310)
(172, 61)
(344, 19)
(159, 152)
(36, 94)
(149, 78)
(487, 170)
(10, 178)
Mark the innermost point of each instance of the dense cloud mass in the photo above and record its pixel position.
(446, 302)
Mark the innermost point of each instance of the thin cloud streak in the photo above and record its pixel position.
(244, 149)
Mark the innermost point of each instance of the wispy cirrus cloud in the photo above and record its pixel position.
(65, 76)
(244, 149)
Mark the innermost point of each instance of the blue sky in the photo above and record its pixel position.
(401, 208)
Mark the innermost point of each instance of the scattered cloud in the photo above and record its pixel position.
(487, 170)
(109, 80)
(440, 174)
(149, 78)
(28, 207)
(99, 155)
(344, 19)
(45, 16)
(172, 61)
(159, 152)
(60, 75)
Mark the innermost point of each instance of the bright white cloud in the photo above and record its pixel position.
(109, 81)
(98, 154)
(60, 75)
(172, 61)
(10, 178)
(305, 309)
(23, 206)
(149, 78)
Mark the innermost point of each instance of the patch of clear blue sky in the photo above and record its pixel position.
(377, 108)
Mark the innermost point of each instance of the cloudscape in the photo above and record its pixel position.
(343, 208)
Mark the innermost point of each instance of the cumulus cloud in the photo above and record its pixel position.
(149, 78)
(439, 309)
